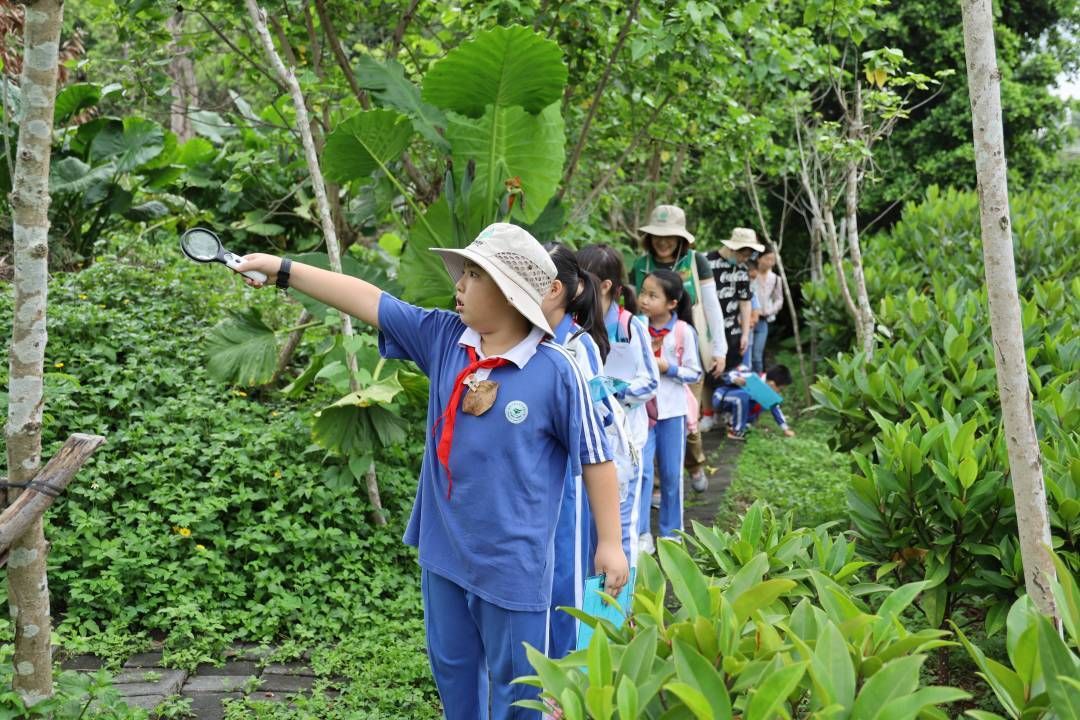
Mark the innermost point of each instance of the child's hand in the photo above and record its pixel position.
(610, 561)
(788, 432)
(268, 265)
(662, 364)
(740, 381)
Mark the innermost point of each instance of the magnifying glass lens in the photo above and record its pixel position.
(201, 244)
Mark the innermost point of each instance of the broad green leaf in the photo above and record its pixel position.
(1006, 684)
(760, 596)
(626, 698)
(637, 659)
(1021, 639)
(833, 667)
(690, 586)
(129, 144)
(242, 350)
(510, 143)
(909, 706)
(771, 694)
(697, 671)
(387, 82)
(72, 175)
(692, 698)
(74, 98)
(1067, 594)
(426, 280)
(1058, 665)
(599, 659)
(502, 67)
(893, 606)
(196, 151)
(897, 678)
(366, 142)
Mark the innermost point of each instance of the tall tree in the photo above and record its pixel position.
(1025, 458)
(28, 588)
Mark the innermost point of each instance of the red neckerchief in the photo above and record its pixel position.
(449, 416)
(658, 339)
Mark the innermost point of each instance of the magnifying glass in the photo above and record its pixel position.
(202, 245)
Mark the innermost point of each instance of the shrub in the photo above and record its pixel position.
(783, 629)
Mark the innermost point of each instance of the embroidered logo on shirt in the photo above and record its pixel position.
(516, 412)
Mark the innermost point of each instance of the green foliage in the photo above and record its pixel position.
(800, 475)
(207, 517)
(765, 622)
(931, 495)
(1042, 679)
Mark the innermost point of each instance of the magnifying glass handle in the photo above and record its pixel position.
(233, 260)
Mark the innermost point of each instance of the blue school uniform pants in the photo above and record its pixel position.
(736, 400)
(667, 447)
(573, 562)
(475, 647)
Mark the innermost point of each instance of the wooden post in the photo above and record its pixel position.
(45, 487)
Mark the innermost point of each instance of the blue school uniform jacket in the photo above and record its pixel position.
(494, 534)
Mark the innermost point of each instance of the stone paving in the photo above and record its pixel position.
(144, 683)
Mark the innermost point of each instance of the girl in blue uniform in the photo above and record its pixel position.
(666, 305)
(507, 412)
(631, 358)
(572, 308)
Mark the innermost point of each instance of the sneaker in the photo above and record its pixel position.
(646, 544)
(736, 435)
(656, 499)
(706, 423)
(699, 481)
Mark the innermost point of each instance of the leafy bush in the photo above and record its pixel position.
(782, 629)
(207, 516)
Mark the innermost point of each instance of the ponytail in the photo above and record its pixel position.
(581, 296)
(606, 263)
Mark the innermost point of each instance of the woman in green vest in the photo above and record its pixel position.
(668, 245)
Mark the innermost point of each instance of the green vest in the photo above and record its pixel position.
(645, 264)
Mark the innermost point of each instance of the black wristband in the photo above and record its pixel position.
(283, 274)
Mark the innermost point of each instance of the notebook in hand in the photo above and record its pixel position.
(595, 605)
(761, 393)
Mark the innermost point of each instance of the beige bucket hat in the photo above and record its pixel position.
(667, 220)
(743, 238)
(517, 263)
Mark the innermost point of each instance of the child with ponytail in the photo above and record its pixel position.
(666, 305)
(572, 309)
(631, 361)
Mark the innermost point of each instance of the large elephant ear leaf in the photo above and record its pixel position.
(503, 67)
(387, 81)
(129, 144)
(511, 143)
(366, 142)
(243, 350)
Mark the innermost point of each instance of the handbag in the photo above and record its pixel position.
(701, 323)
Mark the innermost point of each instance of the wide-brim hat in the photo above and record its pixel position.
(517, 263)
(742, 238)
(667, 220)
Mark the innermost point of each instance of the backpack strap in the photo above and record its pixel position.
(623, 334)
(680, 340)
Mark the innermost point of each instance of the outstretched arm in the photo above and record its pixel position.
(348, 294)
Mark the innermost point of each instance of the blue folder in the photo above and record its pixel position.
(595, 605)
(761, 393)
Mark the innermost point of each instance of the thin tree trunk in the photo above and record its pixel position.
(185, 88)
(1025, 459)
(817, 269)
(303, 124)
(28, 586)
(864, 317)
(756, 202)
(575, 155)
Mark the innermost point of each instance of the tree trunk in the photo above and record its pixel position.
(1025, 459)
(28, 587)
(864, 315)
(185, 88)
(303, 124)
